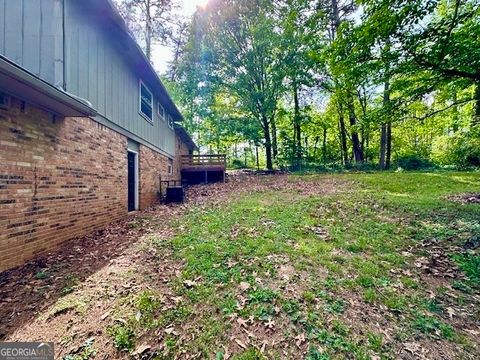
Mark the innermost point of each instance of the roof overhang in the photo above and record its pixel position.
(20, 83)
(185, 137)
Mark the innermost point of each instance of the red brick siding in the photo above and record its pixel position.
(180, 149)
(152, 166)
(64, 178)
(59, 179)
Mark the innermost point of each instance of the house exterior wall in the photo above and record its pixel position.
(61, 179)
(97, 70)
(31, 35)
(67, 44)
(180, 149)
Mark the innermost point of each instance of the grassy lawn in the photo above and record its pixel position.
(375, 268)
(364, 266)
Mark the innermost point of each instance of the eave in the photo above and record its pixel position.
(20, 83)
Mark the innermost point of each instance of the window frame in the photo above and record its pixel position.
(145, 116)
(161, 114)
(170, 121)
(170, 167)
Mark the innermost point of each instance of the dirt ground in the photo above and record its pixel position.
(77, 292)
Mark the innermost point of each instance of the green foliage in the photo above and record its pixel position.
(431, 326)
(314, 354)
(465, 151)
(283, 77)
(413, 162)
(470, 264)
(84, 352)
(70, 284)
(123, 337)
(41, 275)
(250, 354)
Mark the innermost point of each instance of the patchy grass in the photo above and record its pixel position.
(377, 265)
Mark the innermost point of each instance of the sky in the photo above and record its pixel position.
(161, 55)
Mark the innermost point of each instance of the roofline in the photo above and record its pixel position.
(21, 83)
(185, 136)
(120, 22)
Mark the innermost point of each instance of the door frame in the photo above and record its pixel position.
(136, 177)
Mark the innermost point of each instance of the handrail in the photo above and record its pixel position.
(204, 160)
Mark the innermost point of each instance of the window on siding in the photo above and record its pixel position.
(161, 111)
(170, 121)
(146, 102)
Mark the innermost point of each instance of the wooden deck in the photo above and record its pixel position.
(203, 168)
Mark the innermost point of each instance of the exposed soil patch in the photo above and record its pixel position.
(469, 198)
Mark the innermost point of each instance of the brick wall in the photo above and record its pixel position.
(180, 149)
(59, 179)
(64, 178)
(152, 166)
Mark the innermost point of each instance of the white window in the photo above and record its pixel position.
(170, 167)
(161, 111)
(146, 102)
(170, 121)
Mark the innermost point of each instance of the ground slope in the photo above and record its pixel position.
(381, 265)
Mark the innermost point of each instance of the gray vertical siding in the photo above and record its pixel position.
(33, 33)
(31, 36)
(97, 71)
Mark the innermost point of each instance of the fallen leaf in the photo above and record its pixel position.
(141, 349)
(241, 344)
(242, 322)
(189, 283)
(451, 312)
(244, 286)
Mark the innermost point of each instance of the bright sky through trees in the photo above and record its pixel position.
(162, 54)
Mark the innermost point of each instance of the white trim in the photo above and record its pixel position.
(145, 116)
(170, 122)
(170, 166)
(162, 114)
(137, 178)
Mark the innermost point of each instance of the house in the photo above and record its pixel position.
(87, 129)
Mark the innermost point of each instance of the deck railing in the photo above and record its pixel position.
(204, 161)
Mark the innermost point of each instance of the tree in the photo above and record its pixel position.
(247, 63)
(148, 20)
(301, 32)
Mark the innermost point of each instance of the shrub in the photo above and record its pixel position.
(238, 164)
(461, 149)
(466, 149)
(413, 162)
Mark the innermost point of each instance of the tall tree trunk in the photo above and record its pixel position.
(343, 135)
(386, 132)
(389, 145)
(296, 124)
(274, 137)
(306, 147)
(357, 147)
(324, 146)
(315, 147)
(268, 142)
(367, 145)
(383, 147)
